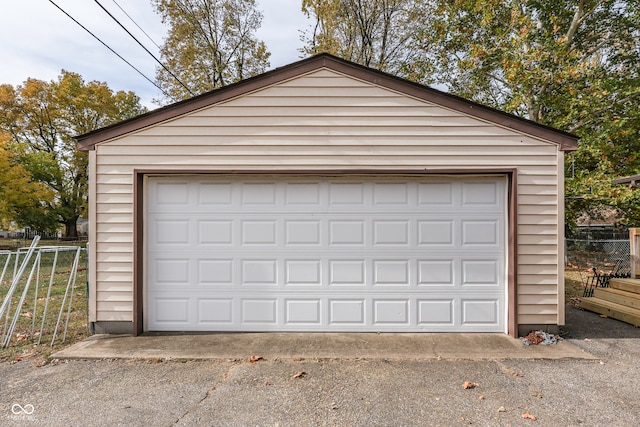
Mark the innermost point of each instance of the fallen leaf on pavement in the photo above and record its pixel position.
(510, 371)
(529, 416)
(468, 385)
(300, 374)
(535, 393)
(255, 358)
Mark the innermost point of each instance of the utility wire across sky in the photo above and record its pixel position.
(144, 47)
(112, 50)
(136, 24)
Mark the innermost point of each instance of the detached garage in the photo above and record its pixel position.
(326, 196)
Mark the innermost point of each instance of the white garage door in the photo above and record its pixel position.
(282, 253)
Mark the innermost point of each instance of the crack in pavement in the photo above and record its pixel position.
(225, 377)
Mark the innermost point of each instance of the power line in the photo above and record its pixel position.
(109, 47)
(136, 24)
(145, 48)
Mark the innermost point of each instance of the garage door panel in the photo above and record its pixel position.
(168, 232)
(171, 195)
(302, 194)
(436, 232)
(436, 195)
(436, 272)
(396, 195)
(480, 312)
(391, 312)
(391, 273)
(303, 232)
(195, 271)
(215, 232)
(171, 271)
(481, 232)
(480, 194)
(256, 311)
(259, 271)
(262, 194)
(347, 311)
(346, 195)
(485, 272)
(307, 312)
(391, 232)
(316, 312)
(434, 312)
(215, 311)
(172, 311)
(258, 232)
(214, 194)
(347, 272)
(303, 272)
(215, 272)
(347, 232)
(343, 254)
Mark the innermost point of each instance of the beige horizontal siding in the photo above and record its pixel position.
(538, 308)
(536, 300)
(506, 142)
(365, 129)
(326, 121)
(108, 312)
(301, 160)
(540, 288)
(114, 208)
(305, 149)
(111, 297)
(550, 250)
(392, 110)
(114, 257)
(306, 124)
(536, 229)
(538, 319)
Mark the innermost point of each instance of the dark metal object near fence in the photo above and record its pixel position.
(622, 269)
(603, 259)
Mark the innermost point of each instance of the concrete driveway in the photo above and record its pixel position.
(597, 389)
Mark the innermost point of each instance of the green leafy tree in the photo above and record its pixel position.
(210, 43)
(23, 201)
(41, 119)
(574, 65)
(374, 33)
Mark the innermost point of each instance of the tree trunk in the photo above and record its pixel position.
(71, 228)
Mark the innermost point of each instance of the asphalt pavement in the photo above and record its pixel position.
(597, 389)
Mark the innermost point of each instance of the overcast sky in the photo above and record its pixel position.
(37, 40)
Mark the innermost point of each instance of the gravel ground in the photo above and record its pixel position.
(338, 392)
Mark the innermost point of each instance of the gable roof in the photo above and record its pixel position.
(565, 140)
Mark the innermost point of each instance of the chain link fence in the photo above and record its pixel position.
(608, 256)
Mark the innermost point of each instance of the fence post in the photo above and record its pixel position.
(634, 243)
